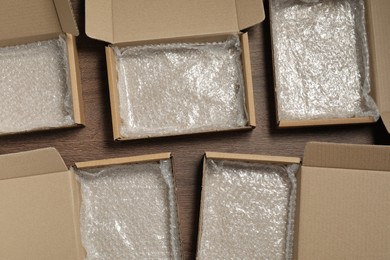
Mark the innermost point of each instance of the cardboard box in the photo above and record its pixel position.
(40, 216)
(24, 22)
(377, 17)
(342, 201)
(123, 23)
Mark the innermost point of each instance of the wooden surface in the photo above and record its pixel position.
(95, 140)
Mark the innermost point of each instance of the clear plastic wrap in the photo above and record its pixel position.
(129, 212)
(35, 86)
(171, 89)
(321, 59)
(248, 210)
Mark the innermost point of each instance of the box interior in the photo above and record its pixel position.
(130, 124)
(247, 207)
(129, 210)
(321, 62)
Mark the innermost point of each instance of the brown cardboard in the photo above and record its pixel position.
(344, 205)
(123, 23)
(342, 202)
(23, 22)
(131, 21)
(37, 207)
(40, 204)
(378, 19)
(378, 16)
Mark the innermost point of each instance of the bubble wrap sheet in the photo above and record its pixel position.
(35, 86)
(248, 211)
(180, 88)
(321, 59)
(129, 212)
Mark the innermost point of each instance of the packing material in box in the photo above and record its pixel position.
(329, 61)
(185, 71)
(116, 208)
(248, 201)
(40, 79)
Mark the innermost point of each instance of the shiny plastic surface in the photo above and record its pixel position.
(129, 212)
(171, 89)
(35, 86)
(248, 211)
(321, 59)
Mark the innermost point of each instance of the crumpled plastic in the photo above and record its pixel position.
(248, 210)
(321, 59)
(35, 86)
(129, 212)
(180, 88)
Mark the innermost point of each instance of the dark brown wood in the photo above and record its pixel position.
(95, 140)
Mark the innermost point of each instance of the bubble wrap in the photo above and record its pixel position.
(129, 212)
(35, 86)
(248, 211)
(321, 59)
(180, 88)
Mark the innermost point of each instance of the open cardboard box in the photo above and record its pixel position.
(23, 22)
(129, 23)
(343, 201)
(40, 204)
(378, 18)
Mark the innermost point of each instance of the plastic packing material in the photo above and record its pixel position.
(35, 86)
(180, 88)
(129, 212)
(248, 210)
(321, 59)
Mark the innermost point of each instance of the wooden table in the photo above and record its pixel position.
(95, 140)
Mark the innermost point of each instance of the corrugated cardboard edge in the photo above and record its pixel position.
(246, 69)
(74, 69)
(347, 156)
(323, 122)
(114, 95)
(66, 16)
(30, 163)
(235, 157)
(123, 160)
(377, 13)
(249, 13)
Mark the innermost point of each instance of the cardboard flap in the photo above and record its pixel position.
(119, 21)
(378, 13)
(347, 156)
(386, 120)
(249, 13)
(21, 19)
(30, 163)
(66, 16)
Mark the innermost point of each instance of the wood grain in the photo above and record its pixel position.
(95, 140)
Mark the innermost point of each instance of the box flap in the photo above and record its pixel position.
(343, 214)
(386, 120)
(38, 217)
(378, 13)
(31, 163)
(23, 20)
(119, 21)
(347, 156)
